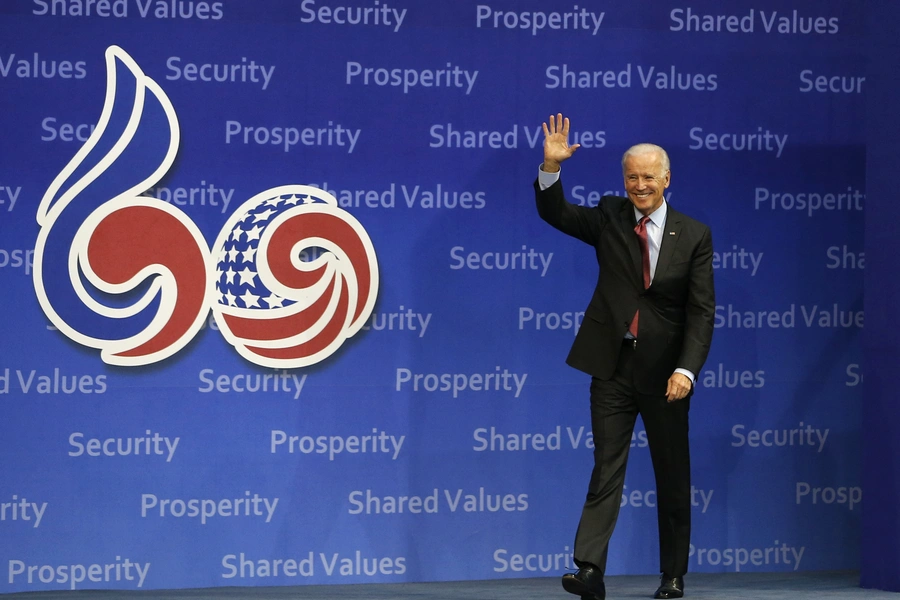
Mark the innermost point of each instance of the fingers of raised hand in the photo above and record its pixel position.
(551, 128)
(557, 125)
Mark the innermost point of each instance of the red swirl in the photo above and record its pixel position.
(133, 238)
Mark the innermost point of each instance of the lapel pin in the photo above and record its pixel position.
(671, 233)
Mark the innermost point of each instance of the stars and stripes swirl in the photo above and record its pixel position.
(295, 276)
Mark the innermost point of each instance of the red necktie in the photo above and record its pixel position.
(641, 231)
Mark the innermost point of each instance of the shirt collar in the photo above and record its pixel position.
(658, 216)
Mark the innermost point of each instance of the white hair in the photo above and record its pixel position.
(638, 149)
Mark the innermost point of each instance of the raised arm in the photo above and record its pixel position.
(578, 221)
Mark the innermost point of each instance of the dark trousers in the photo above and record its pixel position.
(614, 408)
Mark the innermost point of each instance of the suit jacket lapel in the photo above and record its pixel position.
(671, 233)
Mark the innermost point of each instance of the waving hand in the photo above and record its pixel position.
(556, 143)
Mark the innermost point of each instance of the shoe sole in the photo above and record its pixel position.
(573, 586)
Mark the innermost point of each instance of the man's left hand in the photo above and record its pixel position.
(679, 386)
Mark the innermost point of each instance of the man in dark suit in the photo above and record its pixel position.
(644, 338)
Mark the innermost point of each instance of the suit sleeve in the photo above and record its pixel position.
(700, 309)
(580, 222)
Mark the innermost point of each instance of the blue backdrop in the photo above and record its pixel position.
(440, 441)
(880, 527)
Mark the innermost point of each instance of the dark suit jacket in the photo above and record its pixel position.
(677, 310)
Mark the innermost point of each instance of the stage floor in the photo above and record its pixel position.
(730, 586)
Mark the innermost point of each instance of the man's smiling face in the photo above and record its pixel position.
(645, 181)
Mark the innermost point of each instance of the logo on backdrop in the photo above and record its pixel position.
(289, 278)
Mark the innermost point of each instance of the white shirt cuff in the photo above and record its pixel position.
(687, 374)
(545, 179)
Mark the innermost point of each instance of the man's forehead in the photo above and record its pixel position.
(646, 163)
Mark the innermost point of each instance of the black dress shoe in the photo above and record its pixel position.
(670, 587)
(587, 582)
